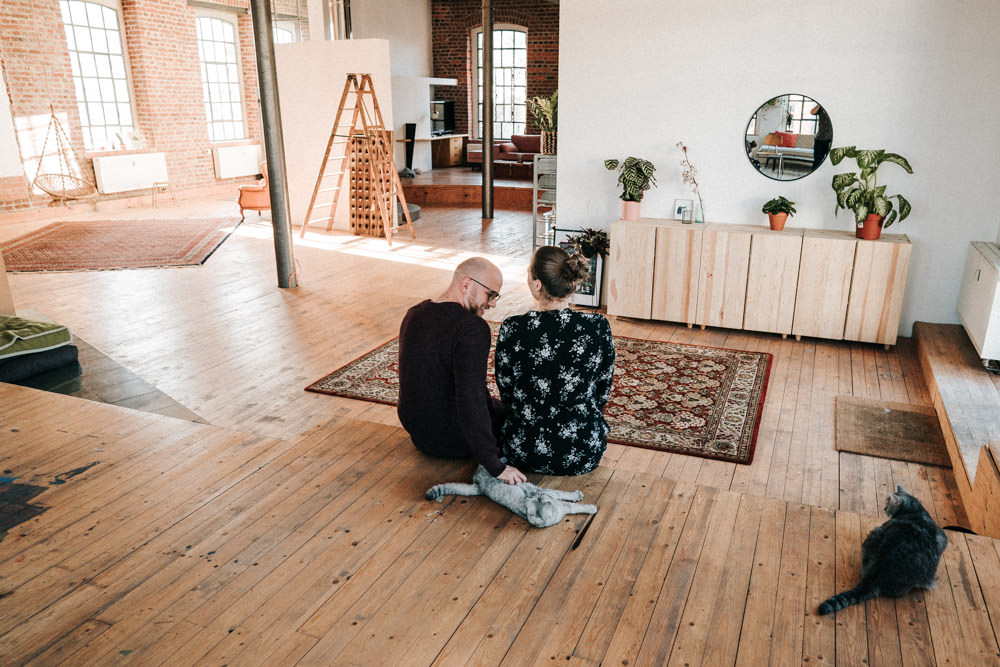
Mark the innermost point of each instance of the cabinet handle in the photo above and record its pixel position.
(978, 271)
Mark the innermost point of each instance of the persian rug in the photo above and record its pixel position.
(673, 397)
(110, 244)
(889, 430)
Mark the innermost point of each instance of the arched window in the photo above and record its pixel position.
(220, 76)
(510, 81)
(97, 57)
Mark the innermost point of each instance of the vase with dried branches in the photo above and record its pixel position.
(690, 175)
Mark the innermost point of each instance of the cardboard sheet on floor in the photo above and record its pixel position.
(901, 431)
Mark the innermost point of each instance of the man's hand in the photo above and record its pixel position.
(512, 475)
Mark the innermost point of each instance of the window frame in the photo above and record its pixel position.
(126, 132)
(210, 120)
(475, 89)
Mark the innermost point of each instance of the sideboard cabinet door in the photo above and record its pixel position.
(675, 273)
(630, 269)
(824, 285)
(722, 282)
(771, 281)
(877, 289)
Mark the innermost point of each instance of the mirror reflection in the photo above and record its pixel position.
(788, 137)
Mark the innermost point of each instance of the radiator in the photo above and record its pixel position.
(232, 161)
(135, 171)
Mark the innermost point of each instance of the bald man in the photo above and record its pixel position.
(444, 345)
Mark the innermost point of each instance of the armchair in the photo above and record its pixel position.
(255, 196)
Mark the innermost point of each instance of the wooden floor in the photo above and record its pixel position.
(292, 528)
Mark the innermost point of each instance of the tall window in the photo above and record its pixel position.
(510, 81)
(800, 121)
(93, 35)
(220, 76)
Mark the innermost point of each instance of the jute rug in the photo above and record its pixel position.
(672, 397)
(889, 430)
(110, 244)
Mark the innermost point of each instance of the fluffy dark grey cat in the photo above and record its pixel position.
(541, 507)
(898, 556)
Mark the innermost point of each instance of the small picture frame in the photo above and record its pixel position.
(684, 210)
(588, 292)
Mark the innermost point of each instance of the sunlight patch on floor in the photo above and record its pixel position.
(402, 250)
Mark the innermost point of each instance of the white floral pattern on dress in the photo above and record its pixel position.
(554, 371)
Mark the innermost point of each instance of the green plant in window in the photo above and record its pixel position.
(545, 111)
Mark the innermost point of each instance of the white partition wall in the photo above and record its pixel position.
(311, 78)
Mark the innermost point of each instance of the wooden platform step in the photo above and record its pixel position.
(967, 400)
(504, 197)
(187, 544)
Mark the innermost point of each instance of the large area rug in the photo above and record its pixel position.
(889, 430)
(111, 244)
(703, 401)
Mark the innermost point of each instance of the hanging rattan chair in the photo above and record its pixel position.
(62, 186)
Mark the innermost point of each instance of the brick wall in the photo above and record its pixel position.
(165, 75)
(452, 24)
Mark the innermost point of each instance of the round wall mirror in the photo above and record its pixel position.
(788, 137)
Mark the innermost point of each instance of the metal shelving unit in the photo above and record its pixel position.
(543, 201)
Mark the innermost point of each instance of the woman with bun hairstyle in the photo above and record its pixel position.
(554, 367)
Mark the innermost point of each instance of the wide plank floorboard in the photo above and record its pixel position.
(290, 528)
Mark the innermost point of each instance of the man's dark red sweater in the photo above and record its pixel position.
(443, 401)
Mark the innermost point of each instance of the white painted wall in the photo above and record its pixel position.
(311, 78)
(916, 77)
(407, 26)
(10, 164)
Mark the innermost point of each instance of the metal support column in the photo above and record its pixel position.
(487, 118)
(267, 82)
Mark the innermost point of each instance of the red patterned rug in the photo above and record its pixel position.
(703, 401)
(107, 244)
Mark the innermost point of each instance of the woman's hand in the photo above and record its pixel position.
(512, 475)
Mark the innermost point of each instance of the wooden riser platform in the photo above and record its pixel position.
(185, 544)
(504, 197)
(967, 400)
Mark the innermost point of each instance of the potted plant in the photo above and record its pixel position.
(590, 242)
(635, 175)
(778, 210)
(861, 193)
(593, 245)
(545, 111)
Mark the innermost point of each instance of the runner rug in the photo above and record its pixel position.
(703, 401)
(112, 244)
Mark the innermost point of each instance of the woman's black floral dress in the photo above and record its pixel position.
(554, 371)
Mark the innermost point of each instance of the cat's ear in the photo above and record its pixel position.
(900, 489)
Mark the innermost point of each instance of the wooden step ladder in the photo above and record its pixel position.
(367, 130)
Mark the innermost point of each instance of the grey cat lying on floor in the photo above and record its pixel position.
(541, 507)
(898, 556)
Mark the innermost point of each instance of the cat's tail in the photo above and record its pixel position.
(438, 491)
(856, 595)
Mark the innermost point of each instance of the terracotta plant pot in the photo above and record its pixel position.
(777, 220)
(871, 228)
(630, 210)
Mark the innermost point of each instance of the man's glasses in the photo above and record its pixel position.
(490, 294)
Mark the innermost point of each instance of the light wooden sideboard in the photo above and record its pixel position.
(820, 283)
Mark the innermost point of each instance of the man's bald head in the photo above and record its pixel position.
(475, 284)
(481, 269)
